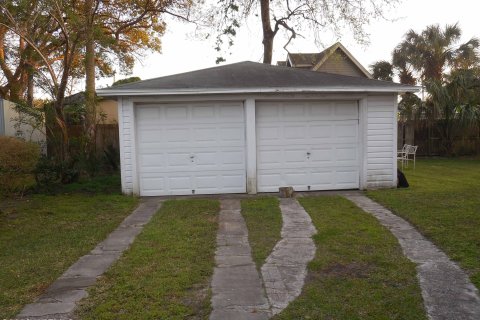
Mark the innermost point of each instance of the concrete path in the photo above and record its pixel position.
(60, 299)
(236, 285)
(285, 269)
(446, 289)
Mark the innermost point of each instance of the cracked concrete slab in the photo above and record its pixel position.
(237, 288)
(446, 289)
(60, 299)
(285, 269)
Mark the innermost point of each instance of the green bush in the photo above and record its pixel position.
(18, 160)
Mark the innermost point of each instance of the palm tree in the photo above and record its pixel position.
(382, 70)
(435, 49)
(402, 60)
(457, 100)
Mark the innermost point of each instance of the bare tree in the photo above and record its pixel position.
(295, 18)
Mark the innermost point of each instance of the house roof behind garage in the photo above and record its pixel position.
(253, 77)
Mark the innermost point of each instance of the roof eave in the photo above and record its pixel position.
(163, 92)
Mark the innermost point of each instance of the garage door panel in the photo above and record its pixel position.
(325, 112)
(295, 178)
(346, 154)
(233, 158)
(322, 179)
(294, 132)
(176, 112)
(191, 148)
(294, 156)
(269, 181)
(203, 112)
(152, 160)
(231, 111)
(346, 177)
(205, 158)
(232, 134)
(233, 182)
(268, 133)
(207, 135)
(266, 157)
(320, 130)
(307, 145)
(321, 155)
(346, 110)
(348, 129)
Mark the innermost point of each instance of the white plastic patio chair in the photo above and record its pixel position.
(410, 154)
(402, 154)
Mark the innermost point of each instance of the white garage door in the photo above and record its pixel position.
(307, 145)
(192, 148)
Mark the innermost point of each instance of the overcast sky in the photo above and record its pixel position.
(181, 52)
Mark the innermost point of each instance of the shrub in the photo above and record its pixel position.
(18, 160)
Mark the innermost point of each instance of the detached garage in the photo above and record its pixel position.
(250, 127)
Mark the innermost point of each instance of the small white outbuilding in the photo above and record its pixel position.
(249, 127)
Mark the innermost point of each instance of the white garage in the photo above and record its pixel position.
(250, 127)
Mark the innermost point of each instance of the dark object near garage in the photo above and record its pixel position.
(401, 180)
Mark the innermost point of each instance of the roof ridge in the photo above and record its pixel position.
(181, 73)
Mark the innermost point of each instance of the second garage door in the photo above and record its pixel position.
(307, 145)
(191, 148)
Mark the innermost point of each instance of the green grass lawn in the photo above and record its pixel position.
(166, 272)
(359, 271)
(42, 235)
(443, 202)
(259, 213)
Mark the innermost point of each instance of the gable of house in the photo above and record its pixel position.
(335, 59)
(339, 63)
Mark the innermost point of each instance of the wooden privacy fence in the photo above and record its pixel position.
(426, 136)
(107, 137)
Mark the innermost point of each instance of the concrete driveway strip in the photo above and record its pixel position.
(237, 289)
(60, 299)
(446, 289)
(285, 269)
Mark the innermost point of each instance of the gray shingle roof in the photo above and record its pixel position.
(247, 75)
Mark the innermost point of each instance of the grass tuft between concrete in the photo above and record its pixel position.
(359, 271)
(166, 272)
(259, 213)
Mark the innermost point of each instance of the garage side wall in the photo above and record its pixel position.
(381, 135)
(126, 135)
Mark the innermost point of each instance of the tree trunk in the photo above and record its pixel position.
(90, 102)
(268, 34)
(30, 87)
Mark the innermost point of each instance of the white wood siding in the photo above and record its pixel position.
(125, 125)
(381, 137)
